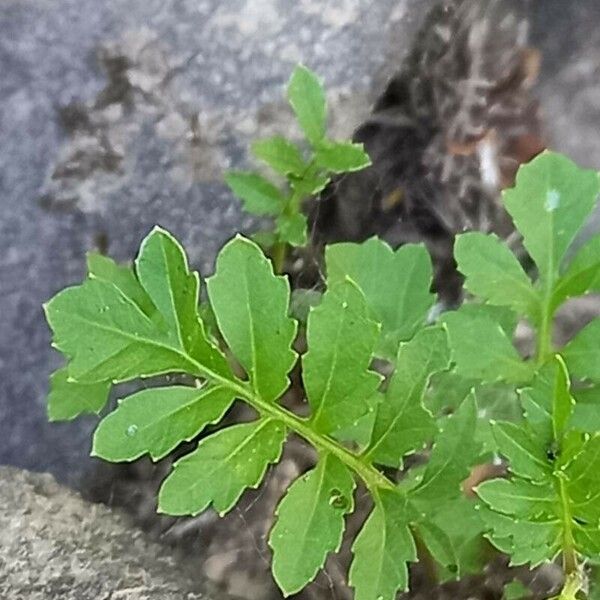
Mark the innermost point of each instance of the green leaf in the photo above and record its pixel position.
(402, 424)
(280, 154)
(527, 457)
(493, 273)
(396, 285)
(163, 271)
(292, 229)
(154, 421)
(586, 413)
(525, 541)
(582, 275)
(251, 307)
(222, 467)
(582, 353)
(549, 204)
(123, 277)
(439, 545)
(382, 549)
(336, 373)
(69, 399)
(460, 523)
(583, 483)
(341, 157)
(312, 182)
(307, 98)
(468, 333)
(108, 337)
(259, 195)
(455, 450)
(518, 497)
(300, 545)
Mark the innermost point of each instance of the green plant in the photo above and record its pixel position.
(306, 170)
(126, 323)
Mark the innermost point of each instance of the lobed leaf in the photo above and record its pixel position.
(307, 98)
(527, 457)
(69, 399)
(469, 332)
(108, 337)
(259, 195)
(280, 154)
(336, 375)
(402, 424)
(221, 468)
(156, 420)
(123, 277)
(455, 450)
(341, 157)
(549, 204)
(396, 285)
(300, 545)
(251, 308)
(382, 549)
(493, 273)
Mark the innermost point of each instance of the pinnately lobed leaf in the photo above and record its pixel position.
(493, 273)
(281, 155)
(402, 424)
(336, 374)
(251, 308)
(221, 468)
(396, 285)
(469, 331)
(258, 194)
(551, 503)
(310, 523)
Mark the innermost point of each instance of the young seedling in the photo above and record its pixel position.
(123, 324)
(306, 169)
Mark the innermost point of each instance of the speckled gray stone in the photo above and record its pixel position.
(209, 77)
(55, 546)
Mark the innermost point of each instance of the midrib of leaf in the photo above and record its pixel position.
(397, 417)
(544, 342)
(243, 444)
(372, 478)
(202, 395)
(172, 296)
(384, 532)
(252, 334)
(313, 507)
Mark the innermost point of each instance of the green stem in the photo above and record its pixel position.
(278, 256)
(371, 477)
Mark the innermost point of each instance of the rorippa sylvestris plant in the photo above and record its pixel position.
(125, 323)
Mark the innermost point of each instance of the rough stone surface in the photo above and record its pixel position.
(91, 158)
(55, 546)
